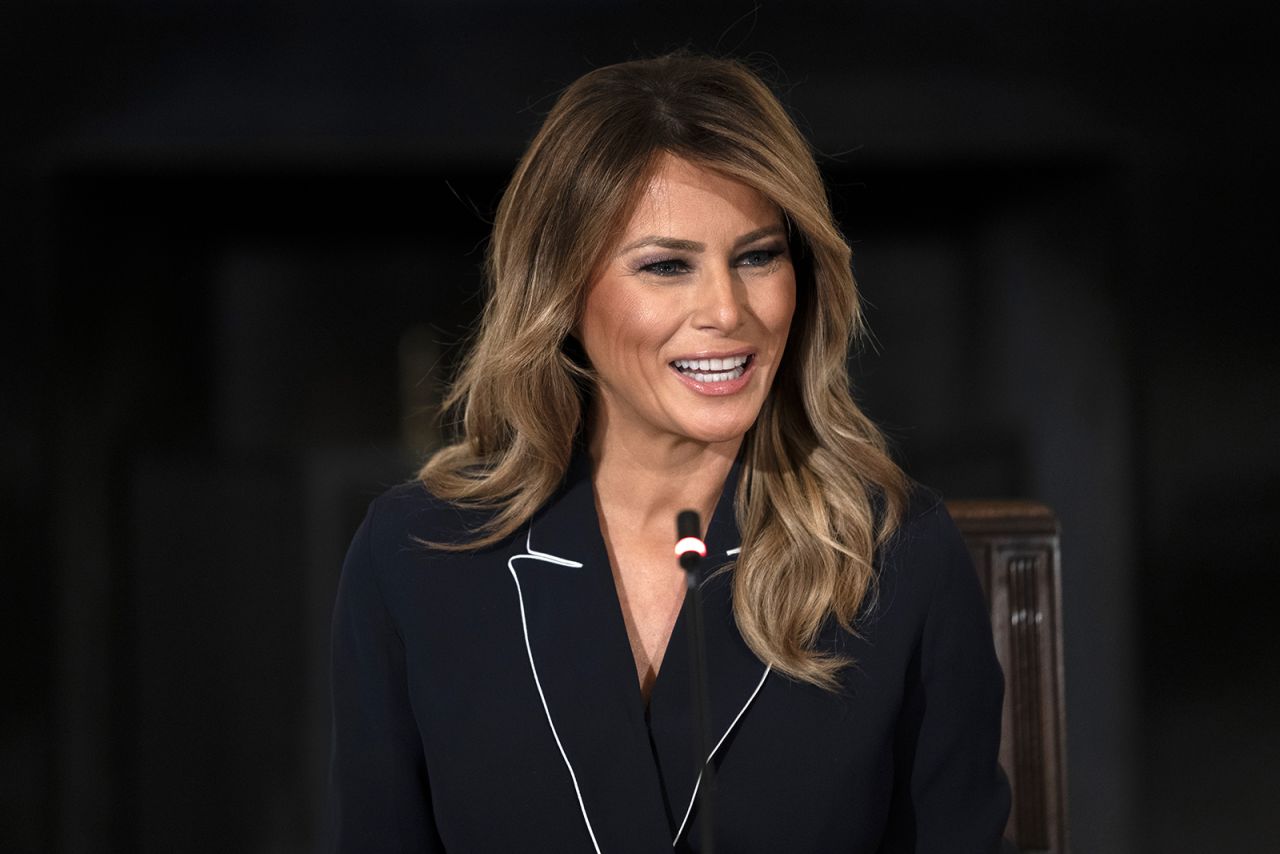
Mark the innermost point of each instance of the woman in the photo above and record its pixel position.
(669, 312)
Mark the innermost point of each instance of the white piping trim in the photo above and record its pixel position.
(524, 624)
(733, 552)
(549, 558)
(732, 723)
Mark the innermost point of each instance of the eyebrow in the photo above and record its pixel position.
(693, 245)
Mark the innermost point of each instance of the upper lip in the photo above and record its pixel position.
(709, 354)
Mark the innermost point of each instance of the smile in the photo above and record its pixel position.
(713, 370)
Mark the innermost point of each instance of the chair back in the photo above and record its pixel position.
(1015, 550)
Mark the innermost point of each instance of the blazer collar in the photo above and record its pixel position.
(634, 769)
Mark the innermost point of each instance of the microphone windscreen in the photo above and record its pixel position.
(688, 525)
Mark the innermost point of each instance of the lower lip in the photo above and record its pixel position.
(721, 388)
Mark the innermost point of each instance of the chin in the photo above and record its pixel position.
(713, 434)
(719, 424)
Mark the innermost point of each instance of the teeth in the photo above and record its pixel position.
(713, 370)
(717, 377)
(711, 365)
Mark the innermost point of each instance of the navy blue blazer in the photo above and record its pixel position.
(488, 701)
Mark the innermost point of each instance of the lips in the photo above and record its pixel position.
(716, 376)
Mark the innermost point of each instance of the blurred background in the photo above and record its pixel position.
(240, 251)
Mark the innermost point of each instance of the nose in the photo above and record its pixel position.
(719, 300)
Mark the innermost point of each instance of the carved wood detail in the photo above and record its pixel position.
(1015, 550)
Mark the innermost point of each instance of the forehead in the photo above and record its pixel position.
(682, 196)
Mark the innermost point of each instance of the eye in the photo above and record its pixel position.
(759, 257)
(665, 267)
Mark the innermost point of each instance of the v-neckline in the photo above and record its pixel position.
(618, 618)
(626, 757)
(670, 619)
(722, 518)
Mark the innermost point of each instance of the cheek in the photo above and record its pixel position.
(621, 326)
(778, 306)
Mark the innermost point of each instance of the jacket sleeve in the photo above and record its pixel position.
(381, 801)
(951, 796)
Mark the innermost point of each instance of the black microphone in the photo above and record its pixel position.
(690, 549)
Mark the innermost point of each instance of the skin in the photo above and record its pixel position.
(658, 445)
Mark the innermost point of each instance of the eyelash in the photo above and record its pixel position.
(770, 255)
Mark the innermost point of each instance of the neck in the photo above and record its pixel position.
(650, 478)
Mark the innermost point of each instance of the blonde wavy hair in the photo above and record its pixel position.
(818, 493)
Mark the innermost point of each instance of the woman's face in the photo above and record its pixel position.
(686, 317)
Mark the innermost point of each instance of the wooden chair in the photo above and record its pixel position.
(1015, 550)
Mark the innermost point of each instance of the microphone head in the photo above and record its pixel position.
(688, 524)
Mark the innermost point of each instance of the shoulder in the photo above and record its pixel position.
(405, 519)
(924, 525)
(926, 556)
(410, 506)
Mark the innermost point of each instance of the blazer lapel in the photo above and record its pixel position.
(581, 660)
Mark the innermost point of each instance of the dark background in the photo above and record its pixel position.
(240, 247)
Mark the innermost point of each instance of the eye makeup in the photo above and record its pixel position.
(760, 259)
(665, 267)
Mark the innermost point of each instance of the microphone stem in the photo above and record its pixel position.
(702, 742)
